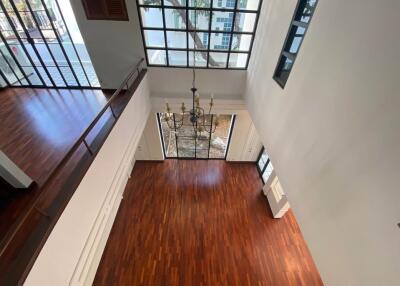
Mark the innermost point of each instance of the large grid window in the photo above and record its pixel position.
(297, 30)
(41, 46)
(218, 33)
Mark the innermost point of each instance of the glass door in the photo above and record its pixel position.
(181, 143)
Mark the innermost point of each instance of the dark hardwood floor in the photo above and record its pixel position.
(37, 127)
(202, 223)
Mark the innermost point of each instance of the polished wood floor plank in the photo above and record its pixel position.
(202, 223)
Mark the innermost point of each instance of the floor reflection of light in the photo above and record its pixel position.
(59, 119)
(210, 177)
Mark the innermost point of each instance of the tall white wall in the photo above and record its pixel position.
(333, 133)
(114, 46)
(73, 250)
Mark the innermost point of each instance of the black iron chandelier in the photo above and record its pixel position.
(196, 114)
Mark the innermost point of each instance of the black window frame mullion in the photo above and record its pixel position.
(231, 35)
(209, 33)
(30, 41)
(176, 137)
(72, 42)
(187, 34)
(233, 121)
(59, 42)
(165, 32)
(45, 40)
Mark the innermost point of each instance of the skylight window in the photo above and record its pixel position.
(219, 33)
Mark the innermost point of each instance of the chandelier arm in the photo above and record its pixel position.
(169, 124)
(179, 124)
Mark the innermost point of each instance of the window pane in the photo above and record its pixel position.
(177, 58)
(238, 60)
(168, 137)
(181, 3)
(151, 17)
(248, 4)
(226, 4)
(222, 21)
(203, 19)
(263, 160)
(267, 172)
(284, 68)
(201, 40)
(218, 60)
(20, 55)
(219, 139)
(199, 3)
(176, 39)
(186, 148)
(44, 76)
(241, 42)
(175, 18)
(157, 57)
(245, 22)
(220, 41)
(69, 76)
(58, 54)
(2, 81)
(200, 59)
(294, 39)
(44, 53)
(55, 74)
(154, 38)
(31, 74)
